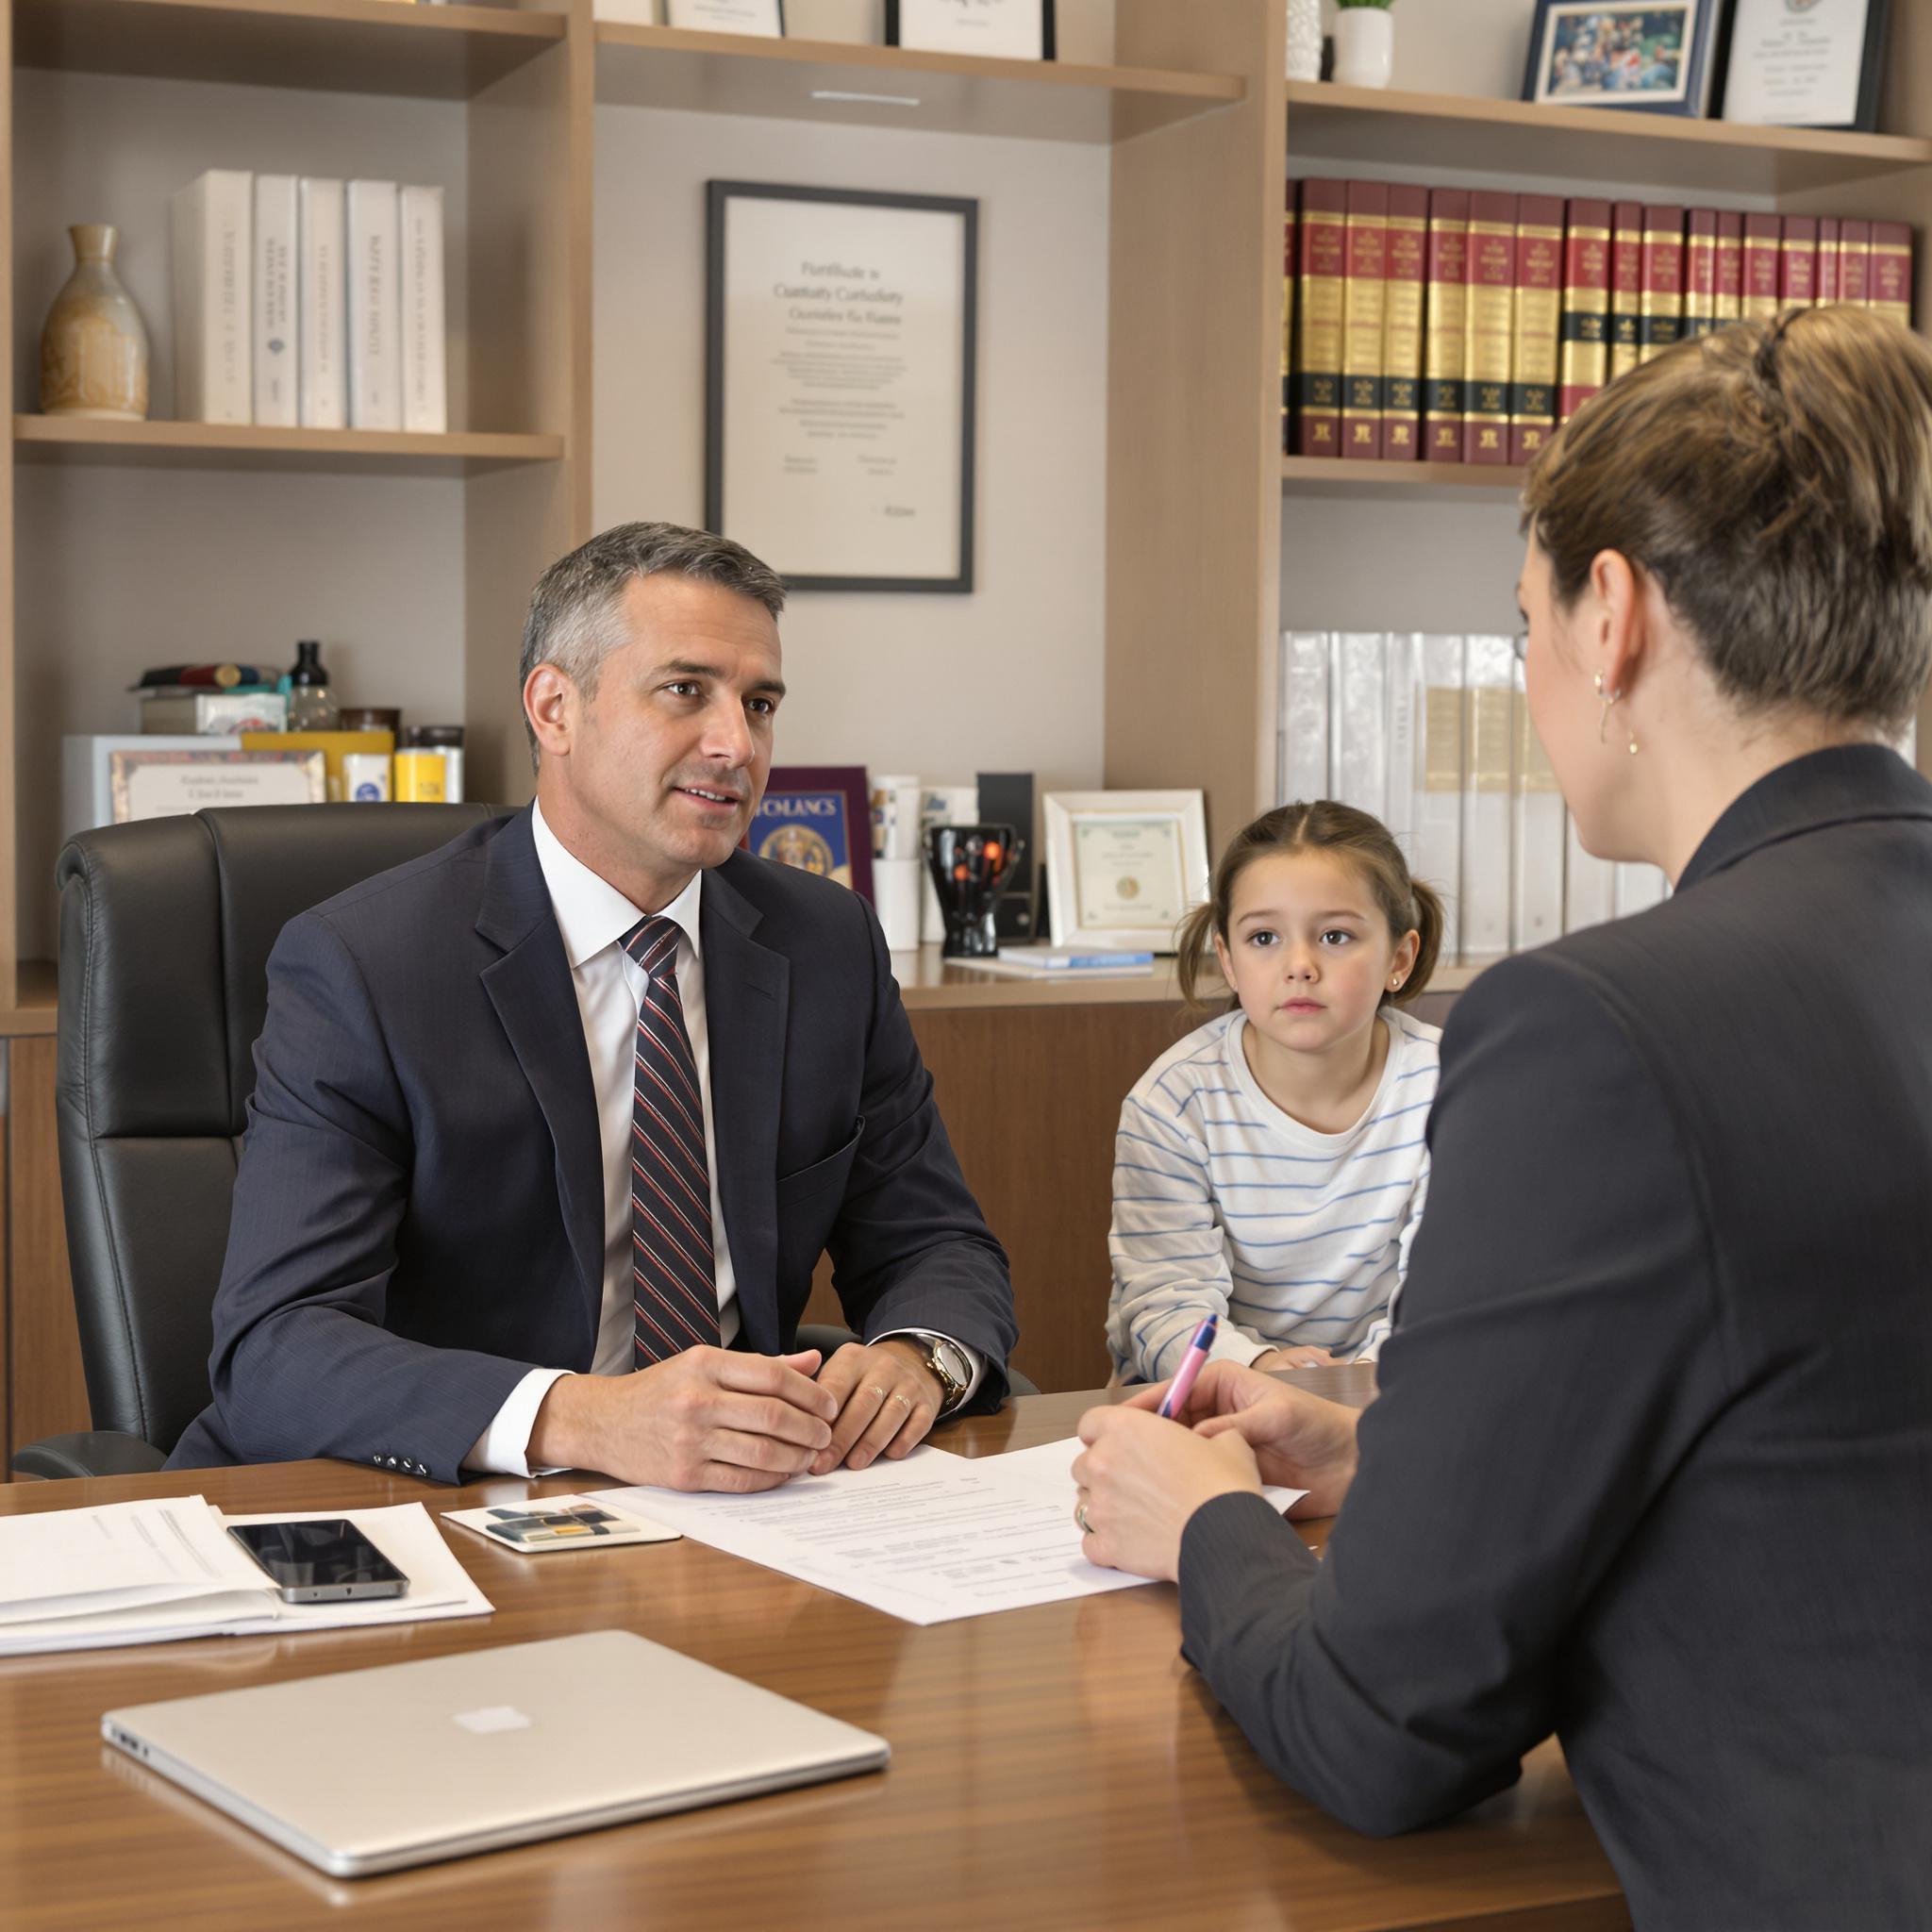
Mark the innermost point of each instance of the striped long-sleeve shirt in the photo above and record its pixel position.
(1225, 1204)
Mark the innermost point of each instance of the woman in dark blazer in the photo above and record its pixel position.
(1651, 1465)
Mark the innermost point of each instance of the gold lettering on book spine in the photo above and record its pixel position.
(1491, 310)
(1586, 309)
(1443, 739)
(1318, 349)
(1538, 324)
(1401, 339)
(1365, 307)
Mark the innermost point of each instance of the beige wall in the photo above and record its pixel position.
(1008, 679)
(1461, 46)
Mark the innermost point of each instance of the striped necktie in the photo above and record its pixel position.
(674, 1279)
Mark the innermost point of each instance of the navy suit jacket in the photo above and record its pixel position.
(418, 1209)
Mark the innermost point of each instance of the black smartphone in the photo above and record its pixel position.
(320, 1562)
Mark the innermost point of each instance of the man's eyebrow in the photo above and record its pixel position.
(689, 667)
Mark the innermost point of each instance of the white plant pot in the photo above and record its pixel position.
(1305, 40)
(1364, 46)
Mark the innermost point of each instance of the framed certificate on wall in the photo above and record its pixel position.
(840, 384)
(1125, 868)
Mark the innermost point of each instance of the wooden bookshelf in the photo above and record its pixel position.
(240, 445)
(1397, 482)
(889, 87)
(1370, 128)
(352, 46)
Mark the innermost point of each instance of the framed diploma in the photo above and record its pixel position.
(1804, 64)
(840, 384)
(161, 784)
(819, 819)
(762, 16)
(1125, 868)
(1008, 29)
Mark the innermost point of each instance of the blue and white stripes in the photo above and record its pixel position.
(1223, 1203)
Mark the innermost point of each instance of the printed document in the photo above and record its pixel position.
(929, 1539)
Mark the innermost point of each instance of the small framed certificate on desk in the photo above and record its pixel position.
(1804, 64)
(1124, 868)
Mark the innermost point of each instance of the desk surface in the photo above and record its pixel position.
(1058, 1766)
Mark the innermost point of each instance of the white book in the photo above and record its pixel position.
(425, 385)
(375, 307)
(276, 398)
(1358, 721)
(321, 309)
(1538, 839)
(1402, 700)
(1437, 856)
(1487, 755)
(1639, 888)
(1589, 895)
(210, 223)
(1304, 773)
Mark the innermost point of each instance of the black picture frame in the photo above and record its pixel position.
(1047, 28)
(1870, 71)
(784, 31)
(719, 197)
(1700, 57)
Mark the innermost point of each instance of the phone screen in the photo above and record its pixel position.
(313, 1562)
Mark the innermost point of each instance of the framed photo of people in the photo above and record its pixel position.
(1657, 56)
(1006, 30)
(1125, 868)
(1804, 64)
(840, 384)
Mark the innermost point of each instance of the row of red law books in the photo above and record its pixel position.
(1458, 326)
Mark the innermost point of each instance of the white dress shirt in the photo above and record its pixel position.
(593, 916)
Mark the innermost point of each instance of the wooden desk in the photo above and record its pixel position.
(1053, 1767)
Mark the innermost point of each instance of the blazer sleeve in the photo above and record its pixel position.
(302, 1365)
(1557, 1356)
(909, 1247)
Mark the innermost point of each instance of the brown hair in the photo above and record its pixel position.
(1776, 479)
(1359, 842)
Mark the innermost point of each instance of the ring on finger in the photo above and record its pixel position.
(900, 1395)
(1081, 1517)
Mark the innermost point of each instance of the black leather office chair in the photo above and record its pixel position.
(165, 933)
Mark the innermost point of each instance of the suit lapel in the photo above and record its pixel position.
(746, 995)
(531, 988)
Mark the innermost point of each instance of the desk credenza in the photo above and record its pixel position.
(1053, 1767)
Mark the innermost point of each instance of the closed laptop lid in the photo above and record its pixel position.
(368, 1771)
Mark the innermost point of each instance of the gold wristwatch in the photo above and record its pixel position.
(948, 1361)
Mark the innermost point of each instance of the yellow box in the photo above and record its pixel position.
(333, 746)
(421, 777)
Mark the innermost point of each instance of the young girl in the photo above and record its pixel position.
(1270, 1169)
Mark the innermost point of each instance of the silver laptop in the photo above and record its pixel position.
(370, 1771)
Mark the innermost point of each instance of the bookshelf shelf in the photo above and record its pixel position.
(1398, 482)
(223, 445)
(1367, 126)
(736, 74)
(352, 46)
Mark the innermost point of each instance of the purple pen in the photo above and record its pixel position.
(1190, 1367)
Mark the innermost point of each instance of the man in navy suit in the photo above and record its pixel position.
(551, 1127)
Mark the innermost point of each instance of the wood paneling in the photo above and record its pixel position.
(49, 1392)
(1052, 1766)
(1030, 1099)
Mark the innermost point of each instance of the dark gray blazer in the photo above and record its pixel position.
(418, 1211)
(1652, 1463)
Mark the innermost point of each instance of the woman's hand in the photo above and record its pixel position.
(1300, 1441)
(1140, 1479)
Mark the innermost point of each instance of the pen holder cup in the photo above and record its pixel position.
(969, 867)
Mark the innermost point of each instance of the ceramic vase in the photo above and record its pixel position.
(1305, 40)
(94, 349)
(1364, 46)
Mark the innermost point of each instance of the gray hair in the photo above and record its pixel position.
(574, 623)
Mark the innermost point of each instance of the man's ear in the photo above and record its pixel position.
(550, 703)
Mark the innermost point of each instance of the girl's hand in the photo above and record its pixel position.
(1300, 1355)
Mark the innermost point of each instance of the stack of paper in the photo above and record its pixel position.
(152, 1572)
